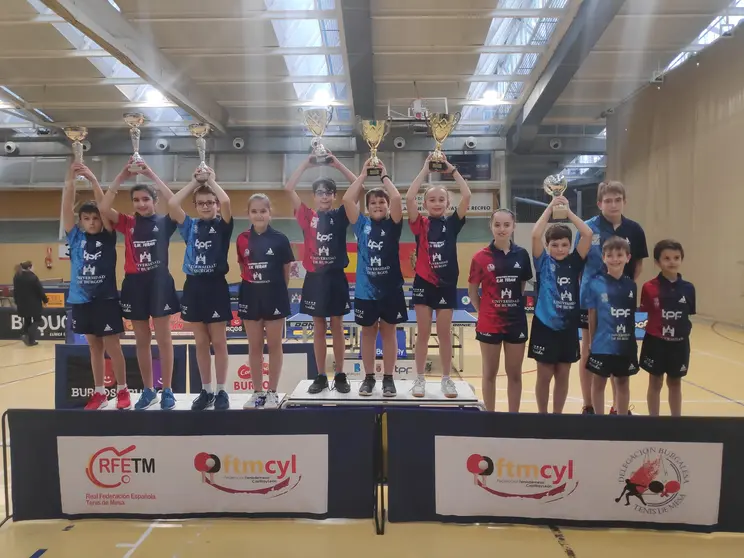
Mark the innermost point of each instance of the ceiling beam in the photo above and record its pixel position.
(456, 49)
(592, 18)
(53, 54)
(356, 32)
(69, 81)
(107, 27)
(247, 15)
(464, 13)
(450, 78)
(202, 52)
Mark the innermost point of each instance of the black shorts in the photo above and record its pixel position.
(551, 346)
(659, 357)
(620, 366)
(391, 309)
(584, 319)
(149, 295)
(325, 294)
(206, 299)
(437, 297)
(99, 317)
(516, 336)
(263, 301)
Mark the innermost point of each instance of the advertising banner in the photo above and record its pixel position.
(193, 474)
(664, 482)
(53, 324)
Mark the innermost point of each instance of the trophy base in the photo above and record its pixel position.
(81, 182)
(560, 212)
(374, 171)
(321, 159)
(437, 166)
(136, 167)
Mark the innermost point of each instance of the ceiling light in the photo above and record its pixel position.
(155, 97)
(491, 96)
(322, 97)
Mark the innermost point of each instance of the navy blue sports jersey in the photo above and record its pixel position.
(614, 301)
(378, 262)
(325, 238)
(602, 229)
(92, 266)
(558, 290)
(146, 240)
(262, 256)
(436, 248)
(500, 276)
(669, 305)
(207, 244)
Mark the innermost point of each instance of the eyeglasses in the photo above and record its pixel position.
(323, 194)
(209, 203)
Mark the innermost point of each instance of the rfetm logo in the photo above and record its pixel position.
(656, 478)
(110, 467)
(236, 475)
(509, 479)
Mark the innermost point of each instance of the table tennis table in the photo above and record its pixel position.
(460, 320)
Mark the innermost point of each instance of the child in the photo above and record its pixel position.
(379, 303)
(503, 269)
(611, 222)
(148, 290)
(325, 291)
(610, 299)
(93, 297)
(435, 283)
(669, 301)
(205, 302)
(264, 255)
(554, 340)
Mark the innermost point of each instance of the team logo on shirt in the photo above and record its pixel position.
(620, 328)
(656, 303)
(368, 229)
(436, 257)
(89, 270)
(603, 297)
(619, 312)
(98, 244)
(212, 231)
(201, 259)
(596, 239)
(667, 331)
(566, 296)
(203, 245)
(375, 261)
(683, 300)
(257, 276)
(324, 237)
(155, 229)
(246, 253)
(671, 314)
(382, 233)
(314, 222)
(145, 256)
(88, 256)
(490, 267)
(269, 252)
(323, 251)
(563, 281)
(517, 266)
(444, 228)
(506, 293)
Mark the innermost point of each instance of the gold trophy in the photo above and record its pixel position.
(199, 131)
(556, 185)
(441, 126)
(316, 120)
(134, 120)
(77, 134)
(373, 132)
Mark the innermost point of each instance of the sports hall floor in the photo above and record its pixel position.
(715, 386)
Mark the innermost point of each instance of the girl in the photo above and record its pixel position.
(554, 342)
(264, 255)
(96, 312)
(502, 269)
(206, 297)
(29, 296)
(148, 290)
(379, 303)
(435, 284)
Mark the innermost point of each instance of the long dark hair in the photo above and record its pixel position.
(23, 266)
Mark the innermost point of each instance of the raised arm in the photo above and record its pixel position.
(585, 233)
(164, 192)
(538, 231)
(291, 185)
(413, 190)
(352, 195)
(464, 205)
(175, 204)
(396, 200)
(98, 194)
(68, 200)
(106, 207)
(222, 197)
(340, 167)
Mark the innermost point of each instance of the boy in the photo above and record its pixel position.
(610, 299)
(325, 291)
(610, 222)
(669, 301)
(95, 302)
(554, 341)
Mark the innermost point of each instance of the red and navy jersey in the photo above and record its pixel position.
(436, 248)
(325, 238)
(146, 241)
(262, 256)
(207, 243)
(501, 276)
(669, 305)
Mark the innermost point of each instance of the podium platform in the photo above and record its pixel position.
(184, 400)
(433, 398)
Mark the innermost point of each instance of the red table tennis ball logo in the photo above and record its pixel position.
(479, 466)
(671, 487)
(207, 463)
(244, 372)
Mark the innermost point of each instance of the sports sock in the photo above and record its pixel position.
(445, 377)
(420, 376)
(101, 389)
(208, 387)
(369, 376)
(120, 387)
(221, 387)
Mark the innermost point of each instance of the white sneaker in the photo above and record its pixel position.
(272, 400)
(257, 401)
(448, 388)
(419, 387)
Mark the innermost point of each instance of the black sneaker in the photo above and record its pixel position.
(204, 401)
(588, 410)
(388, 387)
(340, 383)
(319, 384)
(368, 386)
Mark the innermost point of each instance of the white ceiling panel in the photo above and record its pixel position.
(197, 34)
(254, 91)
(402, 64)
(189, 8)
(429, 32)
(31, 37)
(65, 67)
(652, 7)
(69, 94)
(232, 68)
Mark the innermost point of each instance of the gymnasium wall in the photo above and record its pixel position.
(678, 150)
